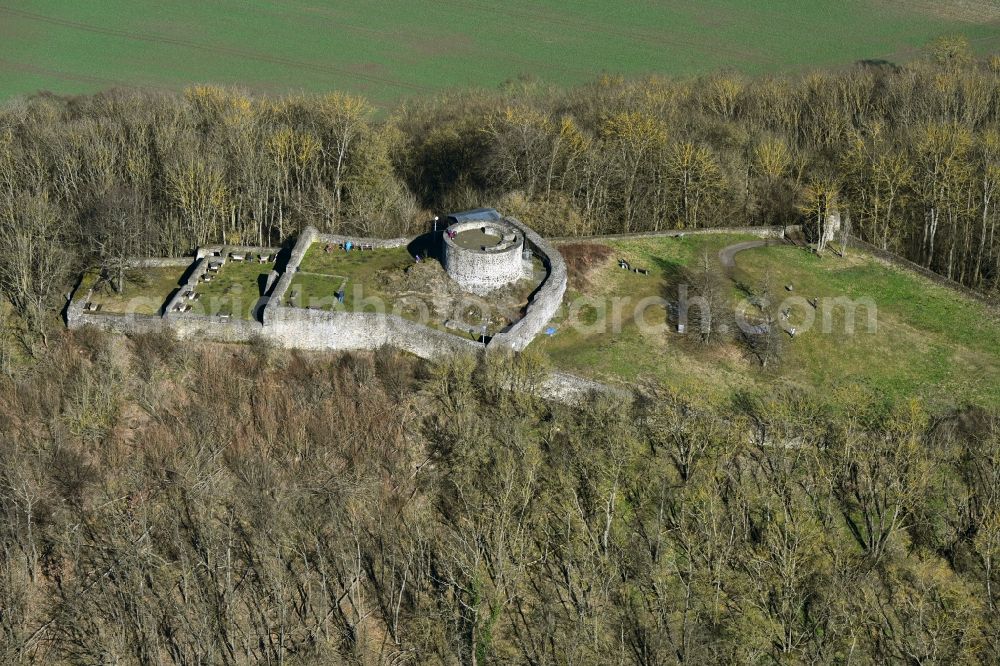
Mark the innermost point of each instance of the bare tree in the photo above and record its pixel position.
(35, 260)
(761, 330)
(846, 230)
(710, 309)
(820, 205)
(118, 236)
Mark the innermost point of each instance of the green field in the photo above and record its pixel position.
(399, 48)
(930, 343)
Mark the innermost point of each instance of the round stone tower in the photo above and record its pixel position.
(482, 255)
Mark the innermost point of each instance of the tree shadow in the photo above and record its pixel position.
(671, 271)
(188, 272)
(181, 283)
(257, 311)
(744, 287)
(427, 245)
(878, 63)
(673, 274)
(284, 254)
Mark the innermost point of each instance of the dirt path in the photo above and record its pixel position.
(727, 255)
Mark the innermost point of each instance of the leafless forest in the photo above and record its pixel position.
(230, 505)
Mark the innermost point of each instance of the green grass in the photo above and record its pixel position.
(314, 291)
(367, 279)
(234, 291)
(628, 354)
(321, 274)
(930, 342)
(146, 290)
(398, 48)
(88, 281)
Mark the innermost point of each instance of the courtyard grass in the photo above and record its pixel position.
(930, 342)
(370, 280)
(146, 290)
(399, 48)
(356, 264)
(234, 291)
(309, 290)
(322, 273)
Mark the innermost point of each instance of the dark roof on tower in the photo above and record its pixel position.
(487, 214)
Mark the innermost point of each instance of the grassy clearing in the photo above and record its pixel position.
(398, 48)
(146, 290)
(321, 274)
(597, 349)
(356, 264)
(929, 343)
(234, 291)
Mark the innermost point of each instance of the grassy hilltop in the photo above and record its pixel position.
(928, 342)
(395, 49)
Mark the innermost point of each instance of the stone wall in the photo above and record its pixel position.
(322, 330)
(313, 329)
(482, 271)
(570, 389)
(208, 327)
(760, 232)
(192, 282)
(299, 250)
(546, 300)
(377, 243)
(115, 323)
(225, 250)
(332, 331)
(194, 327)
(317, 329)
(74, 309)
(301, 328)
(160, 262)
